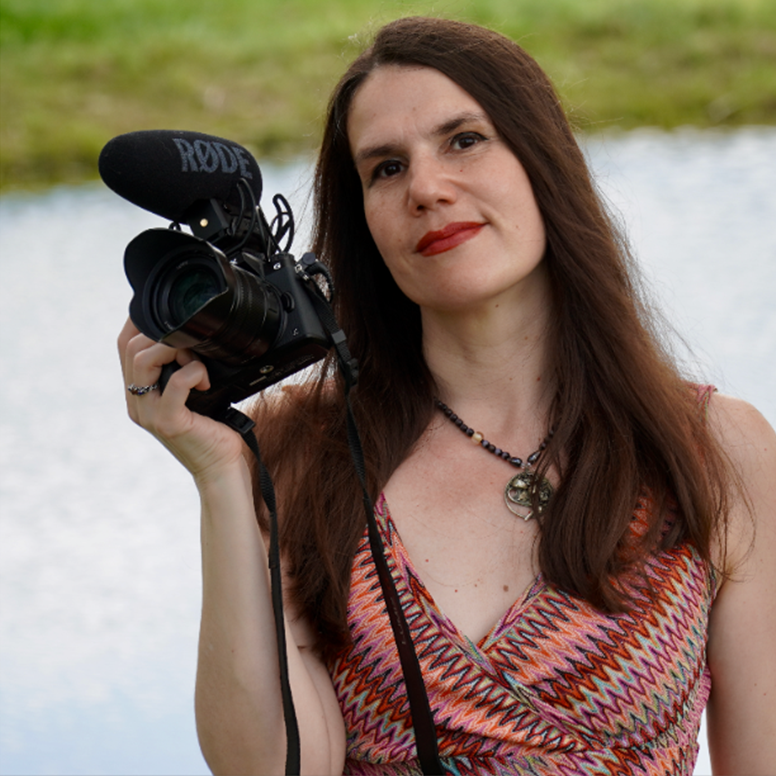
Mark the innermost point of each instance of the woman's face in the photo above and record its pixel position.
(447, 202)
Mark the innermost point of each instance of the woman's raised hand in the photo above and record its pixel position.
(203, 445)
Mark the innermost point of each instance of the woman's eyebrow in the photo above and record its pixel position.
(375, 152)
(445, 128)
(458, 121)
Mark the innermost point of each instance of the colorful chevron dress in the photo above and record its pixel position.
(555, 688)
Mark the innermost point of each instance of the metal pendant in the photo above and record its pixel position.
(519, 489)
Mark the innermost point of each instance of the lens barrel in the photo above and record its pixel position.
(189, 295)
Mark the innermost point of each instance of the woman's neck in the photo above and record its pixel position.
(493, 363)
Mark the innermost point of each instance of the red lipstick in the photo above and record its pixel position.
(447, 238)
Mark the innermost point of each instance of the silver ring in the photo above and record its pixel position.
(140, 390)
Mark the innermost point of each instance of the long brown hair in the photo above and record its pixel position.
(626, 421)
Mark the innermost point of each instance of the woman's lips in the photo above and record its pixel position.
(447, 238)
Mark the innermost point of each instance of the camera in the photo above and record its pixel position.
(231, 294)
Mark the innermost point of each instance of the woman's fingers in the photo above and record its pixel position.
(199, 442)
(186, 357)
(143, 358)
(142, 365)
(127, 332)
(190, 376)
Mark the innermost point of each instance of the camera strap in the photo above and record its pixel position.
(420, 710)
(244, 426)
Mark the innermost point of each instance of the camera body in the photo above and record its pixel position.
(229, 294)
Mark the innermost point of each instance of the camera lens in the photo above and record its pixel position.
(184, 287)
(189, 295)
(190, 290)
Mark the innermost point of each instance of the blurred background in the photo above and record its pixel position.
(675, 105)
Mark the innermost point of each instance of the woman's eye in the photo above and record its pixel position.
(466, 140)
(387, 169)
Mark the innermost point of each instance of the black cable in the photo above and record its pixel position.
(244, 187)
(283, 223)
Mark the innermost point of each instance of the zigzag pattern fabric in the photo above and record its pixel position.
(556, 687)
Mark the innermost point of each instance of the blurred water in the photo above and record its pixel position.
(99, 556)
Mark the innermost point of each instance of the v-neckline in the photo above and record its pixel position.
(388, 527)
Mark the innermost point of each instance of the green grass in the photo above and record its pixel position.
(74, 73)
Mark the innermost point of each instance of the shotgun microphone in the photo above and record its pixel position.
(168, 171)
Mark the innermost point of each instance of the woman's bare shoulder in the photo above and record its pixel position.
(749, 444)
(746, 436)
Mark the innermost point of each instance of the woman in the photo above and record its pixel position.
(571, 632)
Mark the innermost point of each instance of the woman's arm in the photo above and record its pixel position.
(239, 709)
(238, 705)
(742, 634)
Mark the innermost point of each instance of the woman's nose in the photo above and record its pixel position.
(431, 184)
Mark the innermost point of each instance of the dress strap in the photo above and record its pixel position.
(703, 396)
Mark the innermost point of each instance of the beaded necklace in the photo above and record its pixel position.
(519, 489)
